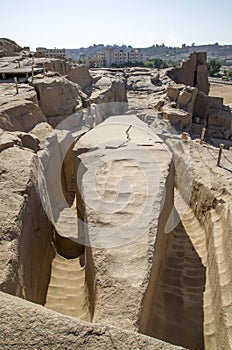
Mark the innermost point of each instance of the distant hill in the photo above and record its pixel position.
(221, 53)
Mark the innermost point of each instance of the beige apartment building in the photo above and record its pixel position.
(120, 57)
(51, 53)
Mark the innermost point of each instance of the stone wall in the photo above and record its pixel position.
(192, 72)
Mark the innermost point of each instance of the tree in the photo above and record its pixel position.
(229, 74)
(213, 67)
(159, 63)
(149, 64)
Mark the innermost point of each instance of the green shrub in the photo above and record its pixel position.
(213, 67)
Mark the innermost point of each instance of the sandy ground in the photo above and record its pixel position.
(222, 90)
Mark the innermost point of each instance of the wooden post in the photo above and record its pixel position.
(32, 73)
(43, 69)
(202, 135)
(220, 154)
(185, 136)
(18, 64)
(16, 85)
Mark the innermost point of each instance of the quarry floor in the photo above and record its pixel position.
(222, 90)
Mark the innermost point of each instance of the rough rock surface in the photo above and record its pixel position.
(192, 72)
(110, 93)
(211, 205)
(81, 76)
(77, 73)
(19, 111)
(57, 95)
(9, 48)
(178, 118)
(206, 219)
(42, 131)
(26, 234)
(174, 287)
(28, 326)
(142, 93)
(122, 240)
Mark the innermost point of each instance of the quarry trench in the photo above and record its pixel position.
(175, 287)
(180, 300)
(172, 305)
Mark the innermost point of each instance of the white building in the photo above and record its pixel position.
(52, 53)
(123, 56)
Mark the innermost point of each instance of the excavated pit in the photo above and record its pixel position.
(68, 289)
(175, 287)
(172, 308)
(172, 304)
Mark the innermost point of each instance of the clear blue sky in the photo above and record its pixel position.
(73, 23)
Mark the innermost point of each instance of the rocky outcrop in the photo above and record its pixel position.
(77, 73)
(178, 118)
(42, 131)
(19, 111)
(115, 264)
(144, 92)
(9, 48)
(178, 106)
(80, 75)
(26, 234)
(192, 72)
(57, 96)
(110, 94)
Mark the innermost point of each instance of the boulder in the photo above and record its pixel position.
(111, 96)
(187, 98)
(184, 98)
(140, 81)
(177, 117)
(57, 95)
(42, 131)
(19, 138)
(81, 76)
(78, 74)
(29, 141)
(173, 92)
(8, 139)
(19, 111)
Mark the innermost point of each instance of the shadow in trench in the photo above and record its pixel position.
(175, 310)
